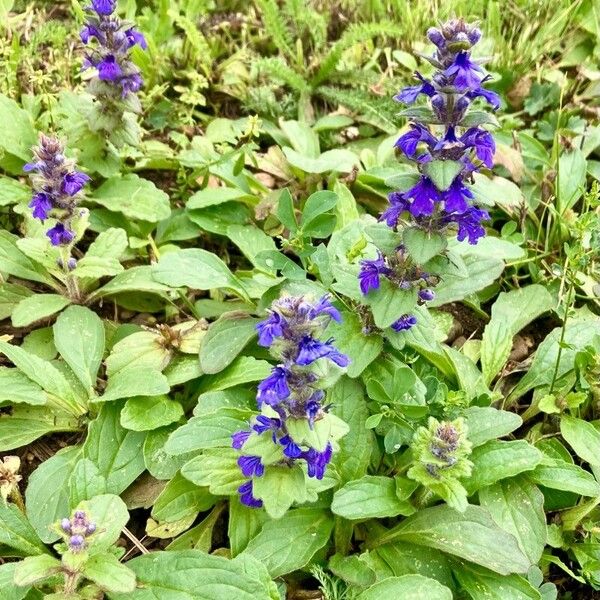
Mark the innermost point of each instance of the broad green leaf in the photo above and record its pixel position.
(160, 464)
(114, 450)
(175, 575)
(471, 535)
(16, 387)
(244, 525)
(211, 430)
(339, 160)
(497, 191)
(212, 196)
(79, 337)
(389, 303)
(407, 587)
(109, 574)
(134, 279)
(95, 267)
(85, 482)
(561, 475)
(317, 204)
(583, 437)
(60, 391)
(496, 460)
(17, 533)
(244, 369)
(10, 295)
(285, 210)
(353, 457)
(14, 262)
(369, 497)
(144, 413)
(135, 381)
(139, 349)
(483, 584)
(570, 179)
(301, 137)
(279, 488)
(486, 423)
(216, 468)
(11, 190)
(36, 568)
(197, 269)
(346, 209)
(511, 312)
(110, 514)
(10, 590)
(224, 340)
(133, 196)
(422, 245)
(442, 172)
(251, 241)
(47, 496)
(517, 506)
(289, 543)
(181, 498)
(37, 307)
(18, 135)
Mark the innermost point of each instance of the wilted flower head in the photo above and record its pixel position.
(9, 476)
(291, 394)
(57, 187)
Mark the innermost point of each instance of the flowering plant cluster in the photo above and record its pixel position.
(57, 186)
(295, 424)
(441, 452)
(117, 79)
(448, 158)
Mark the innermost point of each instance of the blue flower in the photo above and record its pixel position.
(426, 295)
(490, 97)
(370, 273)
(290, 448)
(404, 323)
(263, 424)
(310, 350)
(409, 94)
(317, 461)
(88, 32)
(109, 69)
(73, 183)
(59, 235)
(135, 37)
(104, 7)
(274, 388)
(418, 133)
(464, 73)
(41, 203)
(424, 195)
(456, 197)
(398, 205)
(239, 438)
(482, 142)
(469, 224)
(324, 307)
(131, 83)
(251, 465)
(247, 497)
(269, 329)
(313, 407)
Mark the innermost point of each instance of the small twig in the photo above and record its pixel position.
(135, 542)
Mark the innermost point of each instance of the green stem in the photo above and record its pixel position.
(562, 334)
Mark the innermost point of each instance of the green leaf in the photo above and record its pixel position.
(211, 430)
(18, 135)
(197, 269)
(181, 498)
(423, 245)
(144, 413)
(497, 460)
(317, 204)
(583, 437)
(472, 536)
(339, 160)
(517, 506)
(85, 482)
(483, 584)
(279, 488)
(244, 369)
(10, 295)
(216, 468)
(251, 241)
(369, 497)
(389, 303)
(285, 210)
(79, 337)
(170, 575)
(111, 514)
(442, 172)
(14, 262)
(10, 590)
(225, 339)
(113, 449)
(244, 525)
(486, 423)
(289, 543)
(570, 179)
(16, 387)
(17, 533)
(218, 195)
(109, 574)
(407, 587)
(60, 391)
(37, 307)
(511, 312)
(135, 381)
(139, 349)
(13, 191)
(134, 197)
(353, 457)
(47, 496)
(134, 279)
(560, 475)
(36, 568)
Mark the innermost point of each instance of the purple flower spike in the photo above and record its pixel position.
(41, 203)
(270, 329)
(59, 235)
(246, 496)
(418, 133)
(318, 461)
(109, 69)
(410, 94)
(370, 273)
(404, 323)
(310, 350)
(456, 197)
(73, 183)
(238, 439)
(424, 195)
(465, 74)
(134, 37)
(324, 307)
(251, 465)
(274, 388)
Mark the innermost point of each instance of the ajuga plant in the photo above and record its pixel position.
(447, 144)
(295, 434)
(88, 567)
(109, 41)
